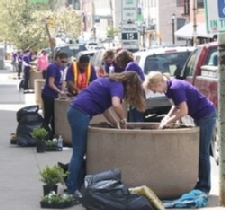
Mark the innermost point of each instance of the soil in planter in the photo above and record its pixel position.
(141, 127)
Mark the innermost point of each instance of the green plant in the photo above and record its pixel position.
(50, 143)
(55, 198)
(39, 133)
(53, 175)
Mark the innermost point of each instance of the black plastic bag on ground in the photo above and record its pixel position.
(29, 119)
(104, 191)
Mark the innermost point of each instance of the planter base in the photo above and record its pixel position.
(47, 189)
(56, 205)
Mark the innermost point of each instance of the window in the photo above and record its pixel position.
(180, 3)
(180, 23)
(168, 62)
(190, 65)
(200, 4)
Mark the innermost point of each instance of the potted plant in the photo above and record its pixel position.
(39, 135)
(52, 176)
(57, 201)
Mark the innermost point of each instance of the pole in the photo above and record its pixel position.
(194, 23)
(173, 38)
(221, 117)
(93, 19)
(143, 35)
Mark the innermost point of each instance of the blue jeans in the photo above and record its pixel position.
(79, 123)
(135, 115)
(206, 126)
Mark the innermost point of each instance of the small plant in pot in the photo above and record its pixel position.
(52, 176)
(39, 134)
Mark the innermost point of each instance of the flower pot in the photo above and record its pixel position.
(47, 189)
(40, 146)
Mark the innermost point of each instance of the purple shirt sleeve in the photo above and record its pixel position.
(93, 74)
(116, 89)
(69, 73)
(133, 66)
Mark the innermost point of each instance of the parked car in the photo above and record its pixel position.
(90, 53)
(201, 71)
(166, 59)
(71, 49)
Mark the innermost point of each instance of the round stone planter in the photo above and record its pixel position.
(33, 76)
(62, 126)
(164, 160)
(38, 85)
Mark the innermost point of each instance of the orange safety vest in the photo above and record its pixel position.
(81, 80)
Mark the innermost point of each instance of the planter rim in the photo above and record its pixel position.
(146, 131)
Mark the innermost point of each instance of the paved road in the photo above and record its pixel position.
(20, 185)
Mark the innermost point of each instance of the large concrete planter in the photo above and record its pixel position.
(164, 160)
(62, 126)
(33, 76)
(38, 85)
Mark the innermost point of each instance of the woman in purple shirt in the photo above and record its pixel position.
(108, 59)
(125, 60)
(188, 101)
(96, 99)
(53, 87)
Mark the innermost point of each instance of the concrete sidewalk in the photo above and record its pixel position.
(20, 185)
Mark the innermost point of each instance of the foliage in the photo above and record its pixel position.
(55, 198)
(111, 32)
(25, 24)
(39, 133)
(53, 175)
(50, 143)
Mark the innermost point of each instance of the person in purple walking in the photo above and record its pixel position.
(96, 99)
(188, 100)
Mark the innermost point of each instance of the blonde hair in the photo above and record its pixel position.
(153, 78)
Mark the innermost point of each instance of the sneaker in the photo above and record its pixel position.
(77, 194)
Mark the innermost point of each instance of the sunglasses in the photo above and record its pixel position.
(62, 61)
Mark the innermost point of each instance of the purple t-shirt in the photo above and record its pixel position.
(198, 105)
(133, 66)
(70, 75)
(117, 69)
(56, 71)
(97, 97)
(27, 60)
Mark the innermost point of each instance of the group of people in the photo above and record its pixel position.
(94, 96)
(21, 63)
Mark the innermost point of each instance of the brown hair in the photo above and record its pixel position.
(133, 88)
(108, 54)
(123, 57)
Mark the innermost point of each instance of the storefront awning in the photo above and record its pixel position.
(187, 31)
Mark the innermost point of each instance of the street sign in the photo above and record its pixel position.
(129, 10)
(215, 16)
(129, 36)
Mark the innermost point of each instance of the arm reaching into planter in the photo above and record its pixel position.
(108, 115)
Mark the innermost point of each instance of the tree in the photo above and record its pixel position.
(26, 23)
(111, 32)
(19, 26)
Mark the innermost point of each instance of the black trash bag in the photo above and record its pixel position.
(27, 110)
(24, 133)
(29, 119)
(102, 192)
